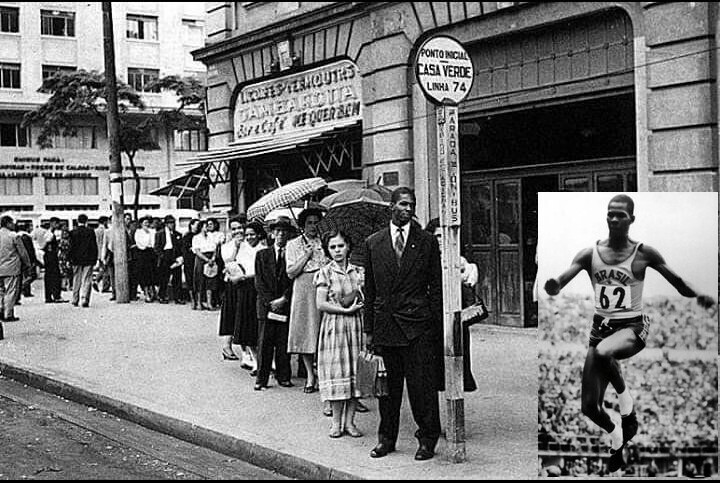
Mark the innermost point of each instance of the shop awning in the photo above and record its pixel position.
(185, 185)
(243, 149)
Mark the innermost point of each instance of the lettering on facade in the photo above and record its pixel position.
(321, 97)
(51, 167)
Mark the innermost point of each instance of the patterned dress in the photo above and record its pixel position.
(341, 335)
(304, 315)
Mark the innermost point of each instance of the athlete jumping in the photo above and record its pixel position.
(616, 267)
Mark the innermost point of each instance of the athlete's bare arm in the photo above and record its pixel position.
(656, 261)
(581, 262)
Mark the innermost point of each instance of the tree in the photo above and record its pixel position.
(84, 93)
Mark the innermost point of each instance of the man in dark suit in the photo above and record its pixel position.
(52, 278)
(274, 289)
(167, 249)
(83, 256)
(403, 322)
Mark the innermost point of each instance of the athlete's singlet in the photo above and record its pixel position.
(618, 294)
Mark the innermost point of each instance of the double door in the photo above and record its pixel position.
(500, 226)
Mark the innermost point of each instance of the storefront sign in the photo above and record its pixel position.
(444, 70)
(318, 98)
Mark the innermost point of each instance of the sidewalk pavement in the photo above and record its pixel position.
(161, 366)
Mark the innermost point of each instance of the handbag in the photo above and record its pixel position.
(371, 375)
(474, 313)
(210, 270)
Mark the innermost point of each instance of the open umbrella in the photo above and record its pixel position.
(354, 196)
(358, 222)
(284, 196)
(346, 184)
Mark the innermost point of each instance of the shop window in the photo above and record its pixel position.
(16, 186)
(191, 140)
(71, 186)
(86, 138)
(142, 27)
(9, 76)
(9, 19)
(49, 71)
(141, 79)
(14, 135)
(59, 24)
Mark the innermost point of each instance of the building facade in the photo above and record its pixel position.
(152, 40)
(582, 96)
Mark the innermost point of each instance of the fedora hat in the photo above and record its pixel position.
(282, 224)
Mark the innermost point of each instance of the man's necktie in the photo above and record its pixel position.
(280, 261)
(399, 244)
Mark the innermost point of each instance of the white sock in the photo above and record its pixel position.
(616, 437)
(626, 402)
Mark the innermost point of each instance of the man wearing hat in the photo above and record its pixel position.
(274, 292)
(167, 248)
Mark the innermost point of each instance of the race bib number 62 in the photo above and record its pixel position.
(612, 298)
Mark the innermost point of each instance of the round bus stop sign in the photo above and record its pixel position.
(444, 70)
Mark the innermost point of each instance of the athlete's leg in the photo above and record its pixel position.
(621, 345)
(594, 384)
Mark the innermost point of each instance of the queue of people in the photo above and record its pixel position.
(280, 294)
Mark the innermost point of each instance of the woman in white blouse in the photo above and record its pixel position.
(145, 242)
(239, 312)
(205, 246)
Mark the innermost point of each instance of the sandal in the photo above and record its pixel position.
(310, 389)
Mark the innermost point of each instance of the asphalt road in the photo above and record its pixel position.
(46, 437)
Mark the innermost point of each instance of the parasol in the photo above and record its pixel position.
(284, 196)
(358, 220)
(346, 184)
(354, 196)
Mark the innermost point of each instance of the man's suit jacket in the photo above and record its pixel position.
(13, 255)
(270, 283)
(83, 247)
(161, 238)
(402, 302)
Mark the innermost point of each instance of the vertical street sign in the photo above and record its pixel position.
(445, 74)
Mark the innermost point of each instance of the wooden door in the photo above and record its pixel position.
(492, 238)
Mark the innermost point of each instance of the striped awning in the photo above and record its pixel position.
(242, 149)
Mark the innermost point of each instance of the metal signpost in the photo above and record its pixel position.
(445, 74)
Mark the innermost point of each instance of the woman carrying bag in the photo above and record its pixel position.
(339, 299)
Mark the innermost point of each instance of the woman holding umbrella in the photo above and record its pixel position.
(305, 256)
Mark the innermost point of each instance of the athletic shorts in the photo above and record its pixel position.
(603, 328)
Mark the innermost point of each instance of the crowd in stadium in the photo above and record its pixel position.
(677, 323)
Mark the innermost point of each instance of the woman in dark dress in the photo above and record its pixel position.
(232, 275)
(189, 259)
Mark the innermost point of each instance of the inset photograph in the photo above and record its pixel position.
(627, 334)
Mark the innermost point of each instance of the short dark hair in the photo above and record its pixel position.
(625, 199)
(169, 218)
(82, 219)
(238, 219)
(103, 219)
(6, 221)
(258, 229)
(308, 212)
(402, 190)
(54, 219)
(214, 221)
(332, 233)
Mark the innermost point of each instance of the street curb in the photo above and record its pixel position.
(286, 464)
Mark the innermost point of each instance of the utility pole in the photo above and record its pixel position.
(119, 247)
